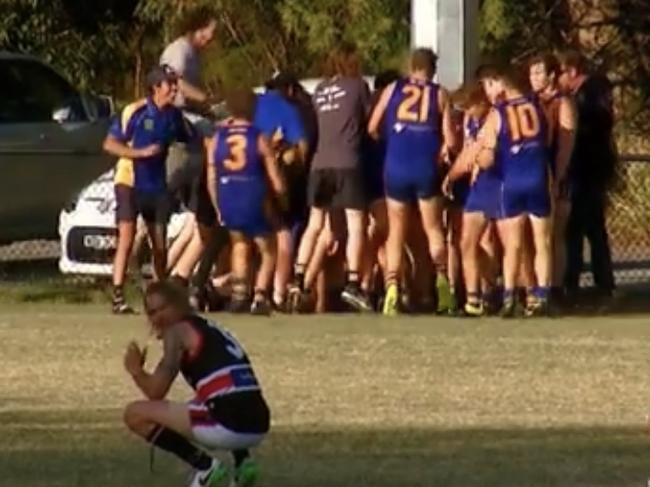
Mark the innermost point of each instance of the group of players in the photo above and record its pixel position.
(403, 184)
(406, 183)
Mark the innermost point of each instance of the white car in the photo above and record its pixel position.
(88, 231)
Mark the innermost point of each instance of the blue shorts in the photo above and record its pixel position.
(252, 223)
(525, 198)
(485, 196)
(244, 208)
(413, 186)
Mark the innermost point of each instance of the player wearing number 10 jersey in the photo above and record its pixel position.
(241, 165)
(514, 138)
(415, 111)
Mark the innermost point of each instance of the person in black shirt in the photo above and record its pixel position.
(591, 172)
(228, 411)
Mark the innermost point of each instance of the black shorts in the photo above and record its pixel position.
(337, 189)
(187, 182)
(296, 213)
(154, 207)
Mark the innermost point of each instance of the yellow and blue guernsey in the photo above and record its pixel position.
(413, 122)
(242, 187)
(140, 125)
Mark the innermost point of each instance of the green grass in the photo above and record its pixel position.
(357, 401)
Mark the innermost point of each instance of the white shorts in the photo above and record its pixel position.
(210, 434)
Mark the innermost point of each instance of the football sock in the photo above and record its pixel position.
(172, 442)
(240, 456)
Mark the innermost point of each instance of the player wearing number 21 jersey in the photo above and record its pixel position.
(241, 166)
(228, 411)
(415, 111)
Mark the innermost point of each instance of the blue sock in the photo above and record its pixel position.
(508, 294)
(542, 292)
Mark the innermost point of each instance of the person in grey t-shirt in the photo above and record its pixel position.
(198, 30)
(336, 180)
(185, 162)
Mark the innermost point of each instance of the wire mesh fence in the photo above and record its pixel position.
(88, 235)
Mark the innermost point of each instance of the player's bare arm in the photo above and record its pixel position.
(487, 140)
(566, 136)
(156, 385)
(448, 132)
(119, 149)
(211, 172)
(374, 125)
(192, 92)
(272, 171)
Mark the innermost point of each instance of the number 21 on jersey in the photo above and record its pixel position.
(415, 105)
(237, 143)
(523, 121)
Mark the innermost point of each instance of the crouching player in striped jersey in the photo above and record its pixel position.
(241, 164)
(228, 412)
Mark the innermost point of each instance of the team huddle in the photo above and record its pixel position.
(409, 198)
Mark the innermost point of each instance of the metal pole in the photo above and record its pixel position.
(449, 27)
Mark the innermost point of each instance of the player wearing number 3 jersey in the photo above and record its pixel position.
(241, 165)
(228, 411)
(514, 138)
(417, 126)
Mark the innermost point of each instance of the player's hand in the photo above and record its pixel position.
(150, 151)
(134, 359)
(446, 188)
(475, 172)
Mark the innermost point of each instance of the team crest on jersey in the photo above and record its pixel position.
(148, 124)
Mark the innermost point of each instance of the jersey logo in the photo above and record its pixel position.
(148, 124)
(415, 105)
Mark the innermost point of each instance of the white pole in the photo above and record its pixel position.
(450, 28)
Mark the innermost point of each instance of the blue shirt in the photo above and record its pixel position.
(274, 114)
(140, 125)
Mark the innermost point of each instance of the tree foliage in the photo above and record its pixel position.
(107, 45)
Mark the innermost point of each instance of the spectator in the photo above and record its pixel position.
(185, 164)
(592, 172)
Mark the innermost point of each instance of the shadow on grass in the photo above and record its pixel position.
(108, 456)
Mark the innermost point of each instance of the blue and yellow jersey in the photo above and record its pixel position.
(413, 122)
(140, 125)
(242, 186)
(521, 151)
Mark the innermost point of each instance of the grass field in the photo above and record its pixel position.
(357, 401)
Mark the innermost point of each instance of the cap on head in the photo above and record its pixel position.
(160, 74)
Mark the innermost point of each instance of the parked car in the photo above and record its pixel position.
(88, 231)
(50, 145)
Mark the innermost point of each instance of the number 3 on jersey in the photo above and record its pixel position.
(237, 144)
(415, 106)
(523, 121)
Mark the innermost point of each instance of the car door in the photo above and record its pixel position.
(49, 148)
